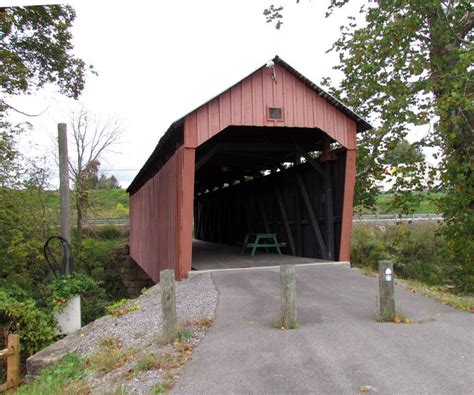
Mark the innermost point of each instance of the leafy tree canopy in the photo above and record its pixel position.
(36, 49)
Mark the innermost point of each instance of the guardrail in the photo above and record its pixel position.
(378, 218)
(12, 355)
(361, 218)
(106, 221)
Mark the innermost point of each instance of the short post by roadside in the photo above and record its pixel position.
(288, 296)
(386, 290)
(168, 305)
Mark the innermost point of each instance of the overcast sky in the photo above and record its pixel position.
(158, 60)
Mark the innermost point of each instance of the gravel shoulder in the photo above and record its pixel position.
(135, 337)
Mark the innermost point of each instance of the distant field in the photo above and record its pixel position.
(113, 203)
(384, 205)
(103, 203)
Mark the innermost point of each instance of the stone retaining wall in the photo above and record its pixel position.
(133, 277)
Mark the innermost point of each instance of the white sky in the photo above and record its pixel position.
(158, 60)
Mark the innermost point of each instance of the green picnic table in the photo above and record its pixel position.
(258, 240)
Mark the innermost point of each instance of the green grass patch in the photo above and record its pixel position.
(122, 307)
(440, 294)
(384, 204)
(184, 335)
(61, 378)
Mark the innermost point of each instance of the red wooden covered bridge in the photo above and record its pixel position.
(274, 153)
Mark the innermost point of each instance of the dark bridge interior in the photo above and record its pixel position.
(271, 180)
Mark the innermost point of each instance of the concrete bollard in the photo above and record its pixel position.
(288, 296)
(386, 290)
(168, 305)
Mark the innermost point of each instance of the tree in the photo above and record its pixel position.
(102, 182)
(92, 136)
(410, 63)
(404, 152)
(36, 49)
(24, 218)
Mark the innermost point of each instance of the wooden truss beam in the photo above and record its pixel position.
(207, 156)
(313, 163)
(285, 219)
(329, 210)
(312, 217)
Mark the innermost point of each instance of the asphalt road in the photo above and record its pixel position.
(339, 346)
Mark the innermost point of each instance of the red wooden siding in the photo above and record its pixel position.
(158, 217)
(246, 104)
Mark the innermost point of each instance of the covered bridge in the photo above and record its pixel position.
(274, 153)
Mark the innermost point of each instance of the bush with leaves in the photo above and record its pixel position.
(419, 252)
(93, 296)
(37, 326)
(367, 247)
(97, 259)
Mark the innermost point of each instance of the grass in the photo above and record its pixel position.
(66, 377)
(184, 335)
(122, 307)
(437, 292)
(440, 294)
(109, 356)
(384, 200)
(166, 384)
(62, 378)
(280, 325)
(147, 362)
(103, 203)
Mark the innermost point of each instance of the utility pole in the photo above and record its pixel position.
(65, 202)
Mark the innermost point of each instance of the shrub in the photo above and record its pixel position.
(418, 252)
(37, 327)
(92, 294)
(108, 232)
(367, 247)
(98, 258)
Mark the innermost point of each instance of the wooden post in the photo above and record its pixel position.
(13, 361)
(288, 296)
(386, 290)
(64, 192)
(65, 204)
(12, 355)
(168, 305)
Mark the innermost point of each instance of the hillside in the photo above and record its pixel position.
(104, 203)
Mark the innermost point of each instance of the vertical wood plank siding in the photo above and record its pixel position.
(159, 214)
(246, 104)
